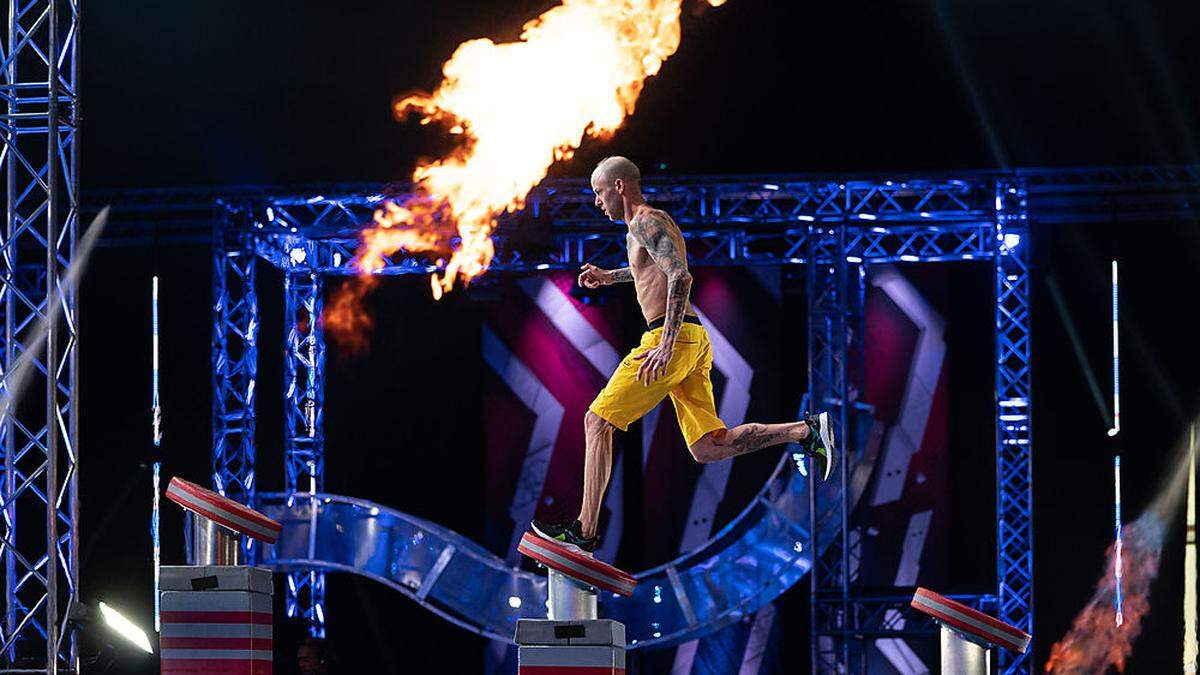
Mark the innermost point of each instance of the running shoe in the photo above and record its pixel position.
(819, 444)
(567, 533)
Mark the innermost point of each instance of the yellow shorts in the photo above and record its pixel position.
(687, 380)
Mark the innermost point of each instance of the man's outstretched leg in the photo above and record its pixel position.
(814, 434)
(597, 467)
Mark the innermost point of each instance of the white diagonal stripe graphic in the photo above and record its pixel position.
(548, 412)
(756, 644)
(897, 651)
(566, 318)
(563, 314)
(904, 438)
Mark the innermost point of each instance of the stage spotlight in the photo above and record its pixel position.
(108, 635)
(1012, 240)
(125, 628)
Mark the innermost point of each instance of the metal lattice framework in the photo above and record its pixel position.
(1014, 415)
(304, 438)
(39, 491)
(234, 363)
(835, 309)
(841, 226)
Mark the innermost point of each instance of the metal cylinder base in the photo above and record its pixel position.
(569, 599)
(962, 656)
(213, 544)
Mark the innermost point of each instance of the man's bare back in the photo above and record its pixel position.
(650, 225)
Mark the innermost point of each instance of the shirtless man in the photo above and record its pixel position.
(674, 358)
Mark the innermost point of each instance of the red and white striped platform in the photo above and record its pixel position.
(223, 633)
(580, 567)
(223, 511)
(971, 622)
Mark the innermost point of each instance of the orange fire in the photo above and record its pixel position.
(345, 318)
(1094, 642)
(576, 71)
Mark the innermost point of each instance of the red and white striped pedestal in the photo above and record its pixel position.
(968, 635)
(595, 647)
(216, 620)
(572, 641)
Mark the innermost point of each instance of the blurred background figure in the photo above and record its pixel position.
(313, 658)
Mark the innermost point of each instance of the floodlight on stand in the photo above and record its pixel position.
(125, 628)
(112, 636)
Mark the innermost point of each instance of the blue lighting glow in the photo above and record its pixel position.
(955, 226)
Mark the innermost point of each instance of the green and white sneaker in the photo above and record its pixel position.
(820, 444)
(567, 533)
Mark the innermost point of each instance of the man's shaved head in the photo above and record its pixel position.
(613, 168)
(618, 187)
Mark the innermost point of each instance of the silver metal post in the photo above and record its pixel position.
(962, 656)
(569, 599)
(213, 544)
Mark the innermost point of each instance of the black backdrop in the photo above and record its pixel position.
(226, 92)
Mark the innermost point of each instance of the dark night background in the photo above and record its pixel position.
(222, 92)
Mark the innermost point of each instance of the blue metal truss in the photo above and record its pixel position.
(835, 295)
(843, 226)
(1014, 419)
(39, 480)
(234, 361)
(304, 438)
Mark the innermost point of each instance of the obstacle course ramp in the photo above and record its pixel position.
(749, 563)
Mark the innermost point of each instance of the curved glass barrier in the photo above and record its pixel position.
(746, 565)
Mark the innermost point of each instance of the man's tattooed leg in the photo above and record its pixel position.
(746, 438)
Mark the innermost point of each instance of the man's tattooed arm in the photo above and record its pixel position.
(653, 231)
(620, 276)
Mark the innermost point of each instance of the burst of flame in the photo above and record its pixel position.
(576, 71)
(1094, 642)
(515, 108)
(345, 318)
